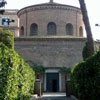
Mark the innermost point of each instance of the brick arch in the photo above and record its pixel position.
(81, 31)
(33, 29)
(22, 31)
(51, 28)
(69, 29)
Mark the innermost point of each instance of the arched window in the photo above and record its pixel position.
(22, 31)
(51, 28)
(33, 29)
(69, 29)
(81, 31)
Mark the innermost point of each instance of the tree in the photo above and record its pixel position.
(85, 52)
(7, 38)
(2, 4)
(90, 44)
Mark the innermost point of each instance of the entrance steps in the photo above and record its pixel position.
(53, 96)
(48, 94)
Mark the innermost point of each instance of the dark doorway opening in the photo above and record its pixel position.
(54, 85)
(52, 82)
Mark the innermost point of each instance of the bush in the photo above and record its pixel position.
(85, 79)
(65, 70)
(7, 38)
(16, 77)
(38, 68)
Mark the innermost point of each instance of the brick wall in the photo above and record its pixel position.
(45, 13)
(51, 52)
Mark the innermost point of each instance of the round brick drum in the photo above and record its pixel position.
(50, 19)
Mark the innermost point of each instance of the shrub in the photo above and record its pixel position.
(38, 68)
(7, 38)
(85, 79)
(16, 77)
(65, 70)
(85, 52)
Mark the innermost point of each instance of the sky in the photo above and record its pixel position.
(93, 8)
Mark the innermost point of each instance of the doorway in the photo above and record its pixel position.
(52, 80)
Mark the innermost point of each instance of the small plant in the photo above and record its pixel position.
(66, 71)
(38, 68)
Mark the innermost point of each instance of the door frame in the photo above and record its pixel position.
(51, 71)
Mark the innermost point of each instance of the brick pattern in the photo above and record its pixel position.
(51, 52)
(44, 13)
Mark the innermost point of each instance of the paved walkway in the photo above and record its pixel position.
(53, 96)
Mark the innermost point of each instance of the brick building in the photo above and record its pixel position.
(51, 34)
(9, 15)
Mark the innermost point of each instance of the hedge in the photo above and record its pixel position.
(7, 38)
(16, 77)
(85, 79)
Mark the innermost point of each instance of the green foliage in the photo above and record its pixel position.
(85, 52)
(16, 77)
(65, 70)
(38, 68)
(7, 37)
(85, 79)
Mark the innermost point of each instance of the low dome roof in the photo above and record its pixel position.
(42, 6)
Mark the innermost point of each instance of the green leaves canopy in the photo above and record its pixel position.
(7, 38)
(16, 77)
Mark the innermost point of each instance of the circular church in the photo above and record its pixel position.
(51, 34)
(50, 19)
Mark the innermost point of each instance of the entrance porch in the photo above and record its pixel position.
(53, 81)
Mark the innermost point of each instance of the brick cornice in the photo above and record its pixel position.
(48, 6)
(10, 11)
(49, 39)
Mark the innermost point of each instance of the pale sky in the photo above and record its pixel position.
(93, 7)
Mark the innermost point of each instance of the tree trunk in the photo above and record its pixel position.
(87, 28)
